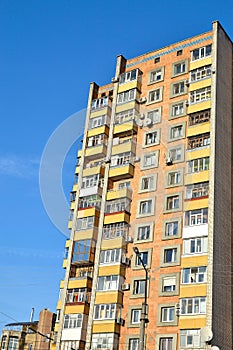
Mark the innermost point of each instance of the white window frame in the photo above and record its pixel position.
(72, 321)
(128, 76)
(146, 207)
(99, 103)
(197, 165)
(154, 96)
(197, 306)
(194, 275)
(200, 73)
(108, 283)
(190, 339)
(105, 311)
(201, 52)
(200, 95)
(135, 316)
(156, 75)
(178, 88)
(151, 182)
(85, 223)
(110, 256)
(196, 217)
(151, 138)
(195, 245)
(126, 96)
(167, 314)
(149, 160)
(155, 115)
(177, 110)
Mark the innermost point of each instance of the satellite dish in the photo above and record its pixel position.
(139, 122)
(214, 347)
(206, 334)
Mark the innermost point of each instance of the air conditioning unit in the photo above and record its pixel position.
(187, 102)
(129, 239)
(120, 321)
(136, 159)
(169, 160)
(187, 82)
(125, 286)
(115, 80)
(125, 260)
(139, 122)
(142, 100)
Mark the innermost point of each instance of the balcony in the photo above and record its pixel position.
(125, 127)
(89, 191)
(124, 171)
(92, 201)
(119, 193)
(97, 151)
(112, 218)
(198, 141)
(123, 145)
(93, 168)
(118, 230)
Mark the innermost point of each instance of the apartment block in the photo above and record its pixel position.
(149, 261)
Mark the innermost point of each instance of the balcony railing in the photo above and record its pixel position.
(116, 231)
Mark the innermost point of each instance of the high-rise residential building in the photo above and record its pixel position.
(149, 259)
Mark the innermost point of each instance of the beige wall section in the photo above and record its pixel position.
(220, 230)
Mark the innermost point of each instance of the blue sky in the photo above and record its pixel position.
(49, 53)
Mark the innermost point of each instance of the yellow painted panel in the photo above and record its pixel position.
(53, 346)
(64, 265)
(200, 84)
(67, 243)
(125, 127)
(93, 171)
(104, 129)
(76, 309)
(193, 290)
(125, 171)
(87, 212)
(77, 283)
(70, 224)
(113, 243)
(112, 218)
(200, 63)
(80, 151)
(59, 305)
(86, 234)
(110, 270)
(125, 106)
(75, 188)
(192, 322)
(102, 111)
(77, 169)
(197, 177)
(196, 204)
(130, 85)
(95, 151)
(190, 261)
(200, 129)
(56, 327)
(125, 192)
(105, 327)
(199, 106)
(72, 205)
(198, 153)
(124, 147)
(62, 284)
(109, 298)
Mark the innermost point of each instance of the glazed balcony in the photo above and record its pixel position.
(121, 166)
(123, 145)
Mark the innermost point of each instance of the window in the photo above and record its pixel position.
(126, 96)
(89, 201)
(196, 165)
(96, 140)
(193, 306)
(139, 287)
(200, 95)
(200, 73)
(171, 228)
(96, 122)
(194, 275)
(73, 321)
(128, 76)
(177, 109)
(105, 311)
(133, 343)
(144, 258)
(13, 343)
(124, 185)
(118, 205)
(108, 283)
(169, 284)
(177, 154)
(190, 338)
(199, 141)
(110, 256)
(4, 339)
(170, 255)
(176, 132)
(155, 95)
(151, 138)
(135, 316)
(174, 178)
(120, 229)
(147, 183)
(90, 181)
(156, 75)
(196, 217)
(173, 202)
(145, 207)
(178, 88)
(201, 52)
(85, 223)
(167, 314)
(121, 159)
(179, 68)
(199, 117)
(99, 103)
(144, 232)
(81, 251)
(150, 160)
(197, 190)
(77, 295)
(166, 343)
(157, 60)
(104, 340)
(155, 115)
(125, 116)
(196, 245)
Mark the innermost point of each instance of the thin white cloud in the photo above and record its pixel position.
(19, 166)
